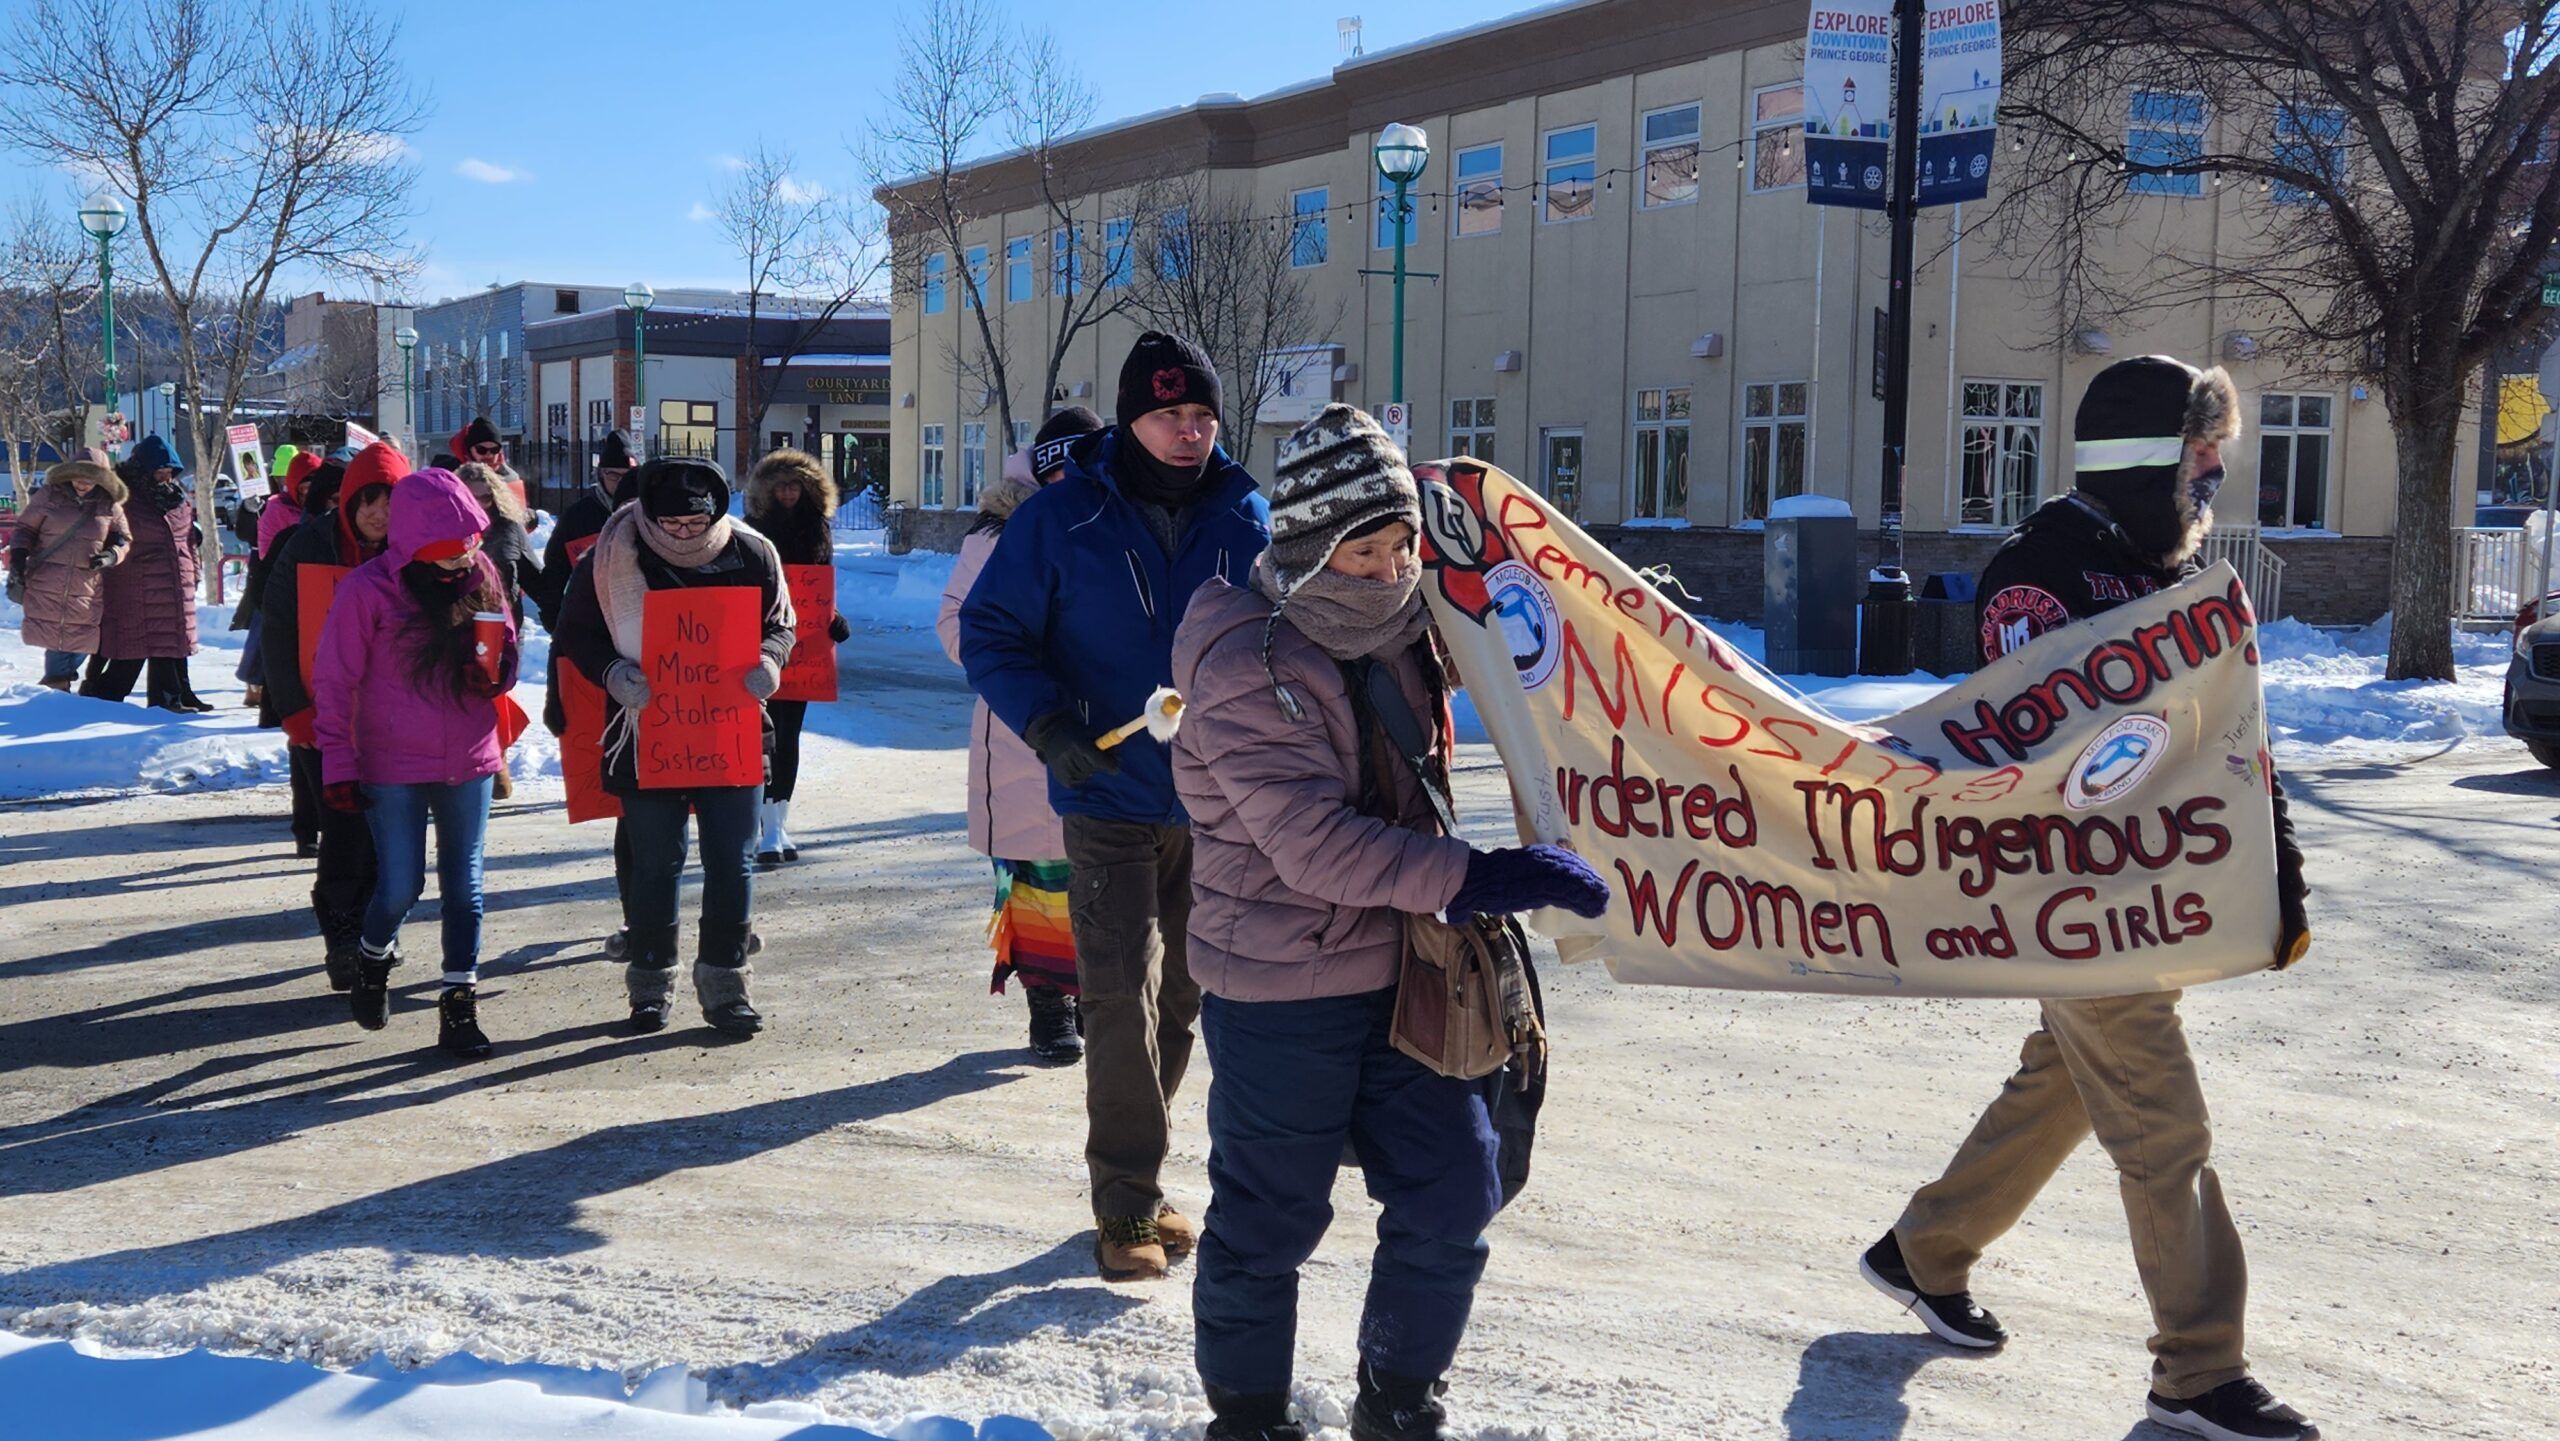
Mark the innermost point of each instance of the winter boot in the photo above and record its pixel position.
(1054, 1035)
(1128, 1248)
(1399, 1408)
(458, 1030)
(1176, 1230)
(370, 1000)
(720, 976)
(769, 836)
(1251, 1418)
(253, 697)
(342, 935)
(63, 686)
(651, 977)
(1950, 1316)
(782, 828)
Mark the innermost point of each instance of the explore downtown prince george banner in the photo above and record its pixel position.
(2086, 816)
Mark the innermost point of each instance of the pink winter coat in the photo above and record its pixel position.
(66, 594)
(373, 721)
(276, 520)
(151, 597)
(1294, 893)
(1009, 815)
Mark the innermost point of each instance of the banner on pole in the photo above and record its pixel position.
(2087, 816)
(700, 727)
(1848, 103)
(1959, 101)
(811, 673)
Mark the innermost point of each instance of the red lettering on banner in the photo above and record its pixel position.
(1615, 700)
(700, 727)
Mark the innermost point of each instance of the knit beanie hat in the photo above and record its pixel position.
(683, 487)
(478, 432)
(613, 452)
(2138, 415)
(1339, 474)
(1059, 434)
(282, 461)
(1163, 371)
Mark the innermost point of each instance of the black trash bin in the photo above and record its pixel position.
(1946, 635)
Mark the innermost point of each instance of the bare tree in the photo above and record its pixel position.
(1221, 276)
(236, 167)
(2387, 208)
(801, 246)
(48, 331)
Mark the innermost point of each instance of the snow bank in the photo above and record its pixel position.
(75, 1391)
(880, 591)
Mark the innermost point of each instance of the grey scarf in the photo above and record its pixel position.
(1349, 618)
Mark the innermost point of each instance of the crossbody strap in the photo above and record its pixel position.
(1404, 731)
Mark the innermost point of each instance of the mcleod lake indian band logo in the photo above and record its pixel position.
(2115, 761)
(1529, 620)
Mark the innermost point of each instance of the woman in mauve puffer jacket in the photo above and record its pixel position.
(1313, 838)
(418, 648)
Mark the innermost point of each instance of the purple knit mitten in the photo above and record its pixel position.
(1501, 883)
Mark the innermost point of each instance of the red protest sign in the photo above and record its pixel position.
(700, 727)
(811, 675)
(582, 748)
(315, 590)
(578, 548)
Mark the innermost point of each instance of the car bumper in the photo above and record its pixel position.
(2533, 699)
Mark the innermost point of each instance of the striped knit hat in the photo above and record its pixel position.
(1340, 474)
(2138, 415)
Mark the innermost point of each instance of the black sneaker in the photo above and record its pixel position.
(458, 1023)
(1952, 1318)
(2239, 1410)
(1399, 1408)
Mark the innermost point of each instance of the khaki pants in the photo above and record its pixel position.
(1128, 901)
(2118, 1066)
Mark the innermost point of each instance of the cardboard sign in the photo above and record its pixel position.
(315, 590)
(700, 727)
(577, 549)
(811, 675)
(2086, 816)
(358, 437)
(585, 705)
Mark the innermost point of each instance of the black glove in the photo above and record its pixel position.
(838, 629)
(105, 557)
(1070, 755)
(18, 577)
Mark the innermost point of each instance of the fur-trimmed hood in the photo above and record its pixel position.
(108, 482)
(2213, 407)
(796, 465)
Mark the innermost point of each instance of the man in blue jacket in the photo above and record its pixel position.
(1067, 632)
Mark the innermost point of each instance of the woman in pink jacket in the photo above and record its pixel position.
(418, 647)
(1010, 821)
(1313, 837)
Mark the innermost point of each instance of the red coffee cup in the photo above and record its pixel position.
(489, 643)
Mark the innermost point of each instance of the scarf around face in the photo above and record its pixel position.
(621, 590)
(1350, 617)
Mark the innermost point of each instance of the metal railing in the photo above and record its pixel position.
(2261, 569)
(2495, 572)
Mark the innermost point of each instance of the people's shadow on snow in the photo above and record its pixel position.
(935, 1327)
(528, 1205)
(1849, 1384)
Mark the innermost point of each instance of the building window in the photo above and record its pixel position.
(1021, 437)
(1662, 454)
(1773, 438)
(2293, 462)
(1116, 268)
(1307, 243)
(2164, 127)
(778, 440)
(1479, 207)
(929, 468)
(1066, 260)
(1777, 117)
(1017, 270)
(2310, 138)
(564, 302)
(977, 292)
(1671, 156)
(689, 427)
(1173, 247)
(1471, 427)
(555, 420)
(484, 362)
(936, 292)
(1572, 163)
(600, 418)
(973, 461)
(1387, 226)
(2002, 452)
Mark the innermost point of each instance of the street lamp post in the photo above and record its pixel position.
(1402, 153)
(640, 297)
(406, 337)
(102, 215)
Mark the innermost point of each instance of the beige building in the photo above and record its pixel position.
(1637, 309)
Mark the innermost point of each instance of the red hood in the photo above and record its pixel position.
(298, 472)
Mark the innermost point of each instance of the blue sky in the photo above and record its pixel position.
(576, 142)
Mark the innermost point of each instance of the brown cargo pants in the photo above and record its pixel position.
(2118, 1066)
(1129, 902)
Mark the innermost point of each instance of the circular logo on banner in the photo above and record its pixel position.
(1455, 529)
(2115, 762)
(1981, 166)
(1875, 177)
(1527, 615)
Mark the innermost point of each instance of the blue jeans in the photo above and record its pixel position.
(654, 822)
(62, 664)
(398, 816)
(1289, 1082)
